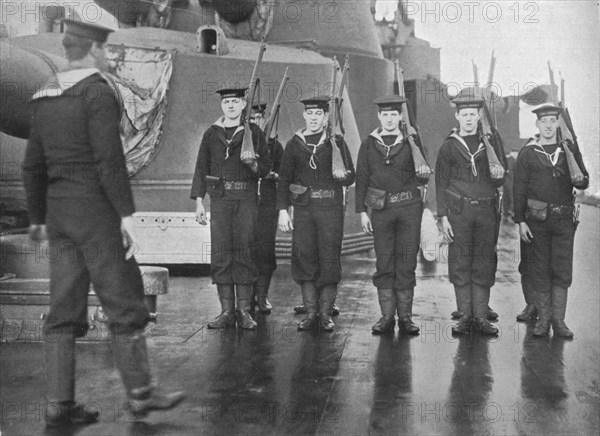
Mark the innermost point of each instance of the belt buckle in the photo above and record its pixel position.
(406, 195)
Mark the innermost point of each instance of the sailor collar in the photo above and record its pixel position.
(551, 158)
(63, 81)
(470, 156)
(384, 149)
(220, 122)
(312, 162)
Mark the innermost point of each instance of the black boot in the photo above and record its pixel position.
(309, 302)
(300, 309)
(326, 299)
(62, 410)
(131, 356)
(227, 317)
(543, 302)
(244, 295)
(387, 304)
(261, 289)
(559, 309)
(464, 326)
(480, 297)
(530, 312)
(484, 326)
(404, 301)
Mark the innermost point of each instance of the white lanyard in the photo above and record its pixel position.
(472, 155)
(553, 158)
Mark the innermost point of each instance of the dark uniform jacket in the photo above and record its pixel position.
(82, 156)
(296, 168)
(537, 178)
(390, 168)
(454, 170)
(219, 157)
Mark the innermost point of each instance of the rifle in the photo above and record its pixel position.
(274, 113)
(565, 132)
(486, 133)
(422, 168)
(247, 152)
(475, 73)
(335, 103)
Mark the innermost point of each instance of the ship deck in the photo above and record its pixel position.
(278, 381)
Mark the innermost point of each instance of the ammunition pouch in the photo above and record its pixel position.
(536, 210)
(375, 198)
(215, 186)
(299, 195)
(454, 201)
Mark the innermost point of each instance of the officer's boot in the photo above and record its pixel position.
(463, 301)
(481, 297)
(261, 288)
(227, 317)
(530, 312)
(559, 308)
(309, 301)
(299, 309)
(543, 303)
(143, 396)
(404, 301)
(326, 299)
(244, 296)
(387, 304)
(62, 410)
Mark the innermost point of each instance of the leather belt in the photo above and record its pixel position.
(322, 193)
(478, 202)
(560, 210)
(400, 197)
(237, 186)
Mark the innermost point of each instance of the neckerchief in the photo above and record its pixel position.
(63, 81)
(227, 142)
(388, 151)
(312, 162)
(470, 156)
(550, 160)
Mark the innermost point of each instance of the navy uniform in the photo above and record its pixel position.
(266, 222)
(385, 171)
(307, 183)
(467, 196)
(232, 186)
(543, 182)
(77, 186)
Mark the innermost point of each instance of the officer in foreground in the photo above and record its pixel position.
(386, 184)
(544, 210)
(467, 201)
(78, 192)
(315, 189)
(232, 184)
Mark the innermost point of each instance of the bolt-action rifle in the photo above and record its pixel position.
(422, 168)
(247, 152)
(274, 115)
(335, 110)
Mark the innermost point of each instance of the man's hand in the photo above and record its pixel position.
(200, 212)
(365, 222)
(272, 176)
(38, 233)
(447, 230)
(285, 221)
(497, 172)
(525, 232)
(128, 234)
(577, 179)
(339, 174)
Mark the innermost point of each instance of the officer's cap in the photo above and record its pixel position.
(86, 30)
(321, 102)
(390, 103)
(547, 110)
(232, 92)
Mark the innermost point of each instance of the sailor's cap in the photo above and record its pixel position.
(547, 110)
(86, 30)
(390, 102)
(320, 102)
(232, 92)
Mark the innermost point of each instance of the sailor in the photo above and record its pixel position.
(386, 184)
(266, 222)
(232, 185)
(78, 194)
(544, 210)
(315, 189)
(466, 188)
